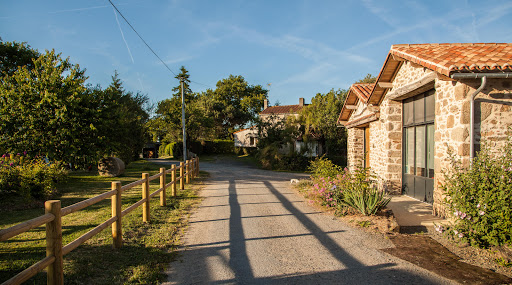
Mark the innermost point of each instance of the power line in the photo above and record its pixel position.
(150, 47)
(141, 38)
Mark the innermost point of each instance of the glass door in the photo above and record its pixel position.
(418, 146)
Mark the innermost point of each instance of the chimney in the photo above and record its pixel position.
(265, 104)
(301, 102)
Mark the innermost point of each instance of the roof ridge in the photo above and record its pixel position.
(454, 44)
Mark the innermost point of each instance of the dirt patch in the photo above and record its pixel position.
(485, 258)
(427, 253)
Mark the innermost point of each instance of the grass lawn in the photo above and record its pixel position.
(147, 250)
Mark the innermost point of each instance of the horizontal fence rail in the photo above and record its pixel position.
(52, 219)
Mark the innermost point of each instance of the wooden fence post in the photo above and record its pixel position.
(163, 196)
(117, 232)
(182, 174)
(197, 166)
(187, 169)
(194, 168)
(173, 177)
(145, 195)
(55, 274)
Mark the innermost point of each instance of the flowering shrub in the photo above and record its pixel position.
(29, 178)
(480, 198)
(347, 191)
(323, 167)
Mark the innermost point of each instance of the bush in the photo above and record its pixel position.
(219, 147)
(270, 157)
(174, 149)
(480, 198)
(347, 191)
(33, 178)
(323, 167)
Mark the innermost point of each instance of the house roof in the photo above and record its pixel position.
(357, 92)
(248, 129)
(449, 58)
(286, 109)
(445, 59)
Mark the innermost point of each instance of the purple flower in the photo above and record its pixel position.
(25, 153)
(463, 215)
(455, 232)
(481, 213)
(478, 206)
(11, 164)
(461, 235)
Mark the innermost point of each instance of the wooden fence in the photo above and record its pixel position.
(53, 214)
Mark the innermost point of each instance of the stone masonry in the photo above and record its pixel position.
(493, 117)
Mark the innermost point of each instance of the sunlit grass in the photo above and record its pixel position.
(147, 249)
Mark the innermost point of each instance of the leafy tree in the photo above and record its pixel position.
(368, 79)
(167, 125)
(47, 110)
(122, 118)
(320, 119)
(14, 55)
(235, 104)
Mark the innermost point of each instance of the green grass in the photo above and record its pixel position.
(147, 249)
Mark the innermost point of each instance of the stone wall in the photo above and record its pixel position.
(386, 147)
(493, 117)
(355, 147)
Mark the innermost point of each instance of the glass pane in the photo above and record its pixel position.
(419, 109)
(430, 150)
(408, 118)
(409, 151)
(420, 151)
(430, 106)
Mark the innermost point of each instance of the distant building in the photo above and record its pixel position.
(246, 137)
(311, 148)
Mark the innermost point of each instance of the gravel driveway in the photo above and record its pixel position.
(252, 228)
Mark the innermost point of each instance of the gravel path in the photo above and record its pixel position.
(252, 228)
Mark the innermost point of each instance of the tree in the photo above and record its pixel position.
(235, 104)
(46, 109)
(14, 55)
(122, 118)
(368, 79)
(321, 116)
(167, 125)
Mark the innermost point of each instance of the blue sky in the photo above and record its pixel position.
(300, 47)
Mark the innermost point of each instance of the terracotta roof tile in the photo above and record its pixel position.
(362, 90)
(286, 109)
(449, 58)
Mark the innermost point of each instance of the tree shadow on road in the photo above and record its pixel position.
(234, 255)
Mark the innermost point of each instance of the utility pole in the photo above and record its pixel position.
(183, 121)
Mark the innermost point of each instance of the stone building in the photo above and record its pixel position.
(281, 113)
(429, 100)
(246, 138)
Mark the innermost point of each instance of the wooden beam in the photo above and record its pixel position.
(351, 107)
(397, 58)
(385, 84)
(414, 88)
(373, 108)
